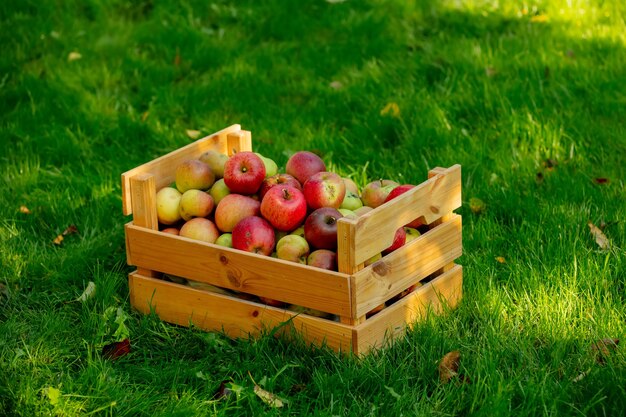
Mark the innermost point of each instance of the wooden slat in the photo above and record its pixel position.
(407, 265)
(242, 271)
(446, 290)
(143, 192)
(431, 199)
(183, 305)
(164, 168)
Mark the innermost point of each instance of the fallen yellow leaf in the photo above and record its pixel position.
(540, 18)
(58, 240)
(24, 209)
(73, 56)
(391, 109)
(193, 134)
(501, 259)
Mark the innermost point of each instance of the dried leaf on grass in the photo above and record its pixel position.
(88, 293)
(74, 56)
(477, 205)
(601, 180)
(116, 350)
(193, 134)
(226, 389)
(24, 210)
(604, 348)
(71, 229)
(267, 397)
(391, 109)
(601, 239)
(449, 366)
(501, 259)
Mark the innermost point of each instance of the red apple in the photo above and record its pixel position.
(375, 310)
(324, 189)
(233, 208)
(399, 239)
(278, 179)
(284, 207)
(375, 192)
(200, 229)
(171, 231)
(320, 228)
(303, 164)
(194, 174)
(323, 258)
(244, 172)
(399, 190)
(254, 234)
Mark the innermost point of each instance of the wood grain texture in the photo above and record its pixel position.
(164, 167)
(241, 271)
(407, 265)
(443, 292)
(374, 231)
(237, 318)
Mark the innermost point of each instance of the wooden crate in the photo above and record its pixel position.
(348, 294)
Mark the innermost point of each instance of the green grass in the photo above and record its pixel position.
(506, 89)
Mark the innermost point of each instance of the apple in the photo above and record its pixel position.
(399, 238)
(320, 228)
(254, 234)
(299, 231)
(216, 161)
(310, 311)
(375, 192)
(244, 172)
(194, 174)
(272, 302)
(204, 286)
(375, 310)
(200, 228)
(324, 189)
(323, 258)
(374, 259)
(225, 239)
(219, 191)
(411, 233)
(351, 186)
(168, 202)
(404, 293)
(351, 201)
(399, 190)
(362, 210)
(348, 213)
(195, 203)
(293, 248)
(270, 166)
(233, 208)
(284, 207)
(171, 231)
(278, 179)
(303, 164)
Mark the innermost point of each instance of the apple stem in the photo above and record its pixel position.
(285, 194)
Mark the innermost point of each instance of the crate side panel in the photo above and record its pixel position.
(183, 305)
(241, 271)
(431, 199)
(407, 265)
(445, 291)
(164, 167)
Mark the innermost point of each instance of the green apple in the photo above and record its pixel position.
(298, 232)
(351, 201)
(270, 166)
(194, 174)
(216, 161)
(168, 202)
(351, 186)
(373, 259)
(293, 248)
(411, 233)
(195, 203)
(348, 213)
(225, 239)
(219, 191)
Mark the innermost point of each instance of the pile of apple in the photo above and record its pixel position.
(243, 202)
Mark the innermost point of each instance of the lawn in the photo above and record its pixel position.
(529, 97)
